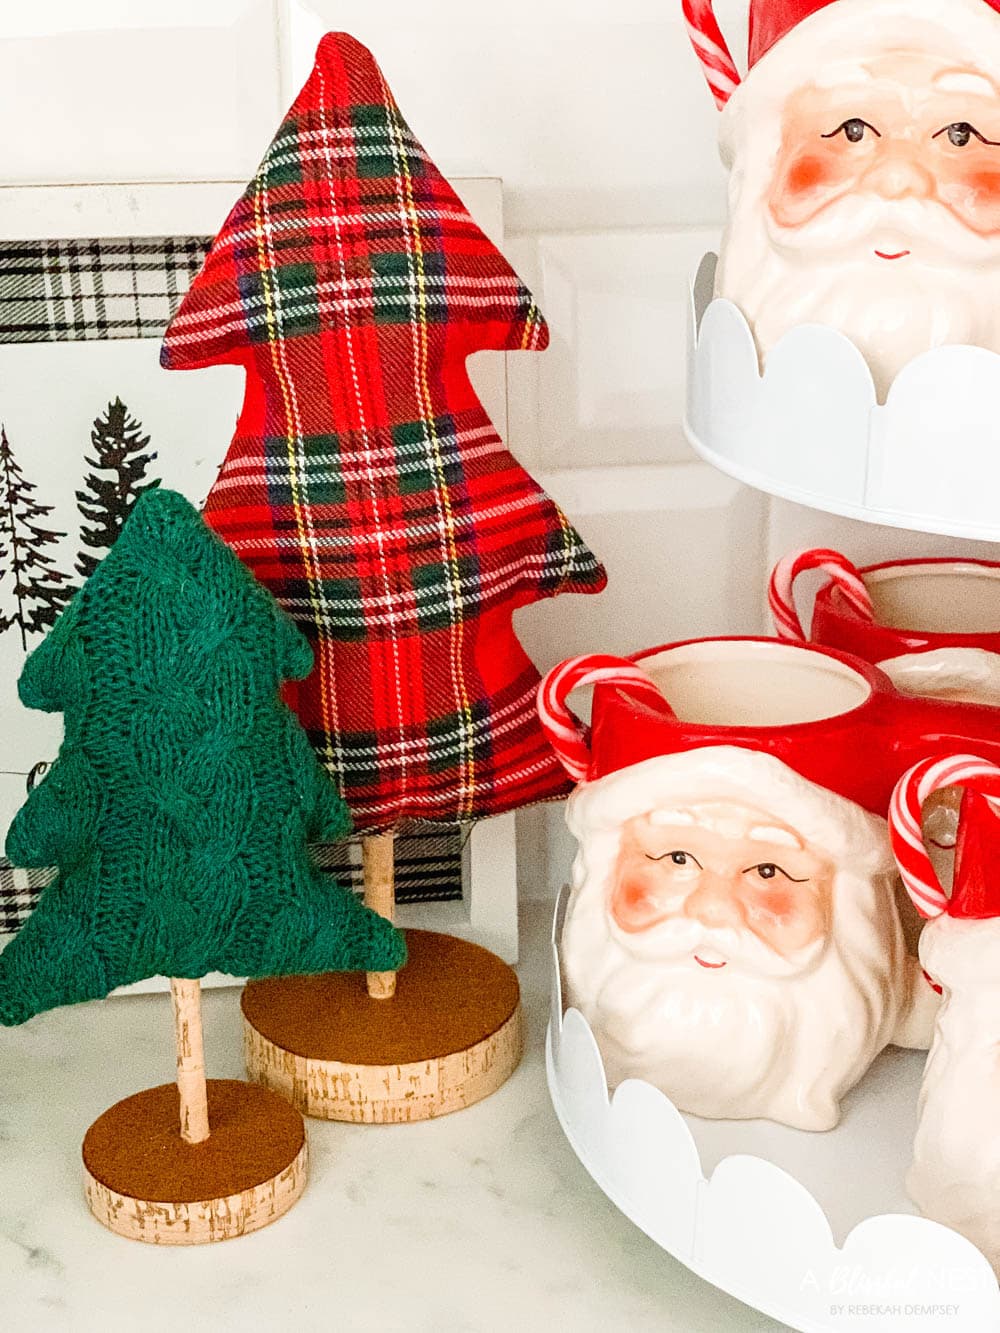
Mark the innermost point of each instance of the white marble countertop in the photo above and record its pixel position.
(483, 1220)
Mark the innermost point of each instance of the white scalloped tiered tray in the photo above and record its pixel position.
(811, 429)
(813, 1229)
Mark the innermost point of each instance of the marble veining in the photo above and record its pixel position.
(483, 1220)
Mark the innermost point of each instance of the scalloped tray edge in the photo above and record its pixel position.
(928, 459)
(750, 1227)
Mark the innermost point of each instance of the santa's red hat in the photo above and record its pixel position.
(730, 775)
(857, 747)
(770, 21)
(976, 889)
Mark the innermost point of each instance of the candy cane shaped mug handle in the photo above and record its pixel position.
(566, 733)
(711, 48)
(781, 589)
(905, 830)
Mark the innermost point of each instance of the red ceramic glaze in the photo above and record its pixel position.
(770, 20)
(976, 893)
(838, 624)
(860, 753)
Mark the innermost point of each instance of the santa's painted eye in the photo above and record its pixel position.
(853, 130)
(960, 134)
(769, 870)
(677, 858)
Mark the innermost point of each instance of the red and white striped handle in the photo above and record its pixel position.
(912, 791)
(781, 590)
(711, 49)
(566, 733)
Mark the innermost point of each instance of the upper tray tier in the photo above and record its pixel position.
(811, 429)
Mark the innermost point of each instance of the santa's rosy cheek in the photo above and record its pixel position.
(986, 185)
(775, 905)
(975, 198)
(785, 921)
(804, 186)
(805, 174)
(633, 904)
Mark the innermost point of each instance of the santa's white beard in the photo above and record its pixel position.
(709, 1041)
(826, 272)
(742, 1042)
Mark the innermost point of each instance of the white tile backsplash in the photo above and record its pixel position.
(610, 389)
(109, 92)
(683, 547)
(793, 527)
(53, 18)
(595, 114)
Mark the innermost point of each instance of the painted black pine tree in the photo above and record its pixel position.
(106, 501)
(40, 590)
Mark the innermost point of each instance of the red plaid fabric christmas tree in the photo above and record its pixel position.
(366, 487)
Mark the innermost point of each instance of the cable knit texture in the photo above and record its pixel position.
(180, 807)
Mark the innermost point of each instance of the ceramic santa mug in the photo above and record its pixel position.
(732, 934)
(932, 625)
(955, 1175)
(863, 192)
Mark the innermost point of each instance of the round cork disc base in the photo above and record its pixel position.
(143, 1181)
(452, 1034)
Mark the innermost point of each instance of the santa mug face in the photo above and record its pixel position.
(723, 908)
(721, 885)
(904, 149)
(732, 935)
(865, 155)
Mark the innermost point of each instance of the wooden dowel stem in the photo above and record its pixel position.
(186, 996)
(380, 896)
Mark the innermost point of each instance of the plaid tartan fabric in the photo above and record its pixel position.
(20, 891)
(366, 487)
(427, 864)
(56, 291)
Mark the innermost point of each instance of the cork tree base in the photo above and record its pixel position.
(452, 1034)
(144, 1182)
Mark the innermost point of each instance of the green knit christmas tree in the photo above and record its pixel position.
(185, 793)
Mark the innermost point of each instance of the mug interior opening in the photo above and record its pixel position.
(937, 599)
(754, 684)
